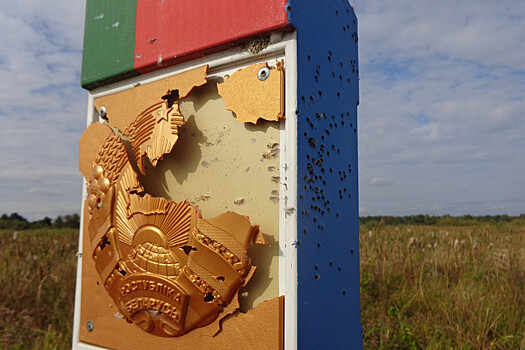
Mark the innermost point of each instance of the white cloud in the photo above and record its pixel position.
(441, 106)
(43, 107)
(441, 112)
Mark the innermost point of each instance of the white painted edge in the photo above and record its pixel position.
(91, 117)
(220, 64)
(288, 201)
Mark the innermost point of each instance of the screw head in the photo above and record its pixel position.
(263, 73)
(102, 112)
(90, 326)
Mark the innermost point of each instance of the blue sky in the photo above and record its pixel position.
(441, 119)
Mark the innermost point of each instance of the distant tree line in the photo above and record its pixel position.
(17, 222)
(445, 220)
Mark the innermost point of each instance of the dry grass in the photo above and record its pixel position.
(431, 287)
(37, 279)
(422, 287)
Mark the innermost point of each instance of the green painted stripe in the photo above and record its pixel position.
(109, 42)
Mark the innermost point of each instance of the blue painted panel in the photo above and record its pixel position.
(328, 223)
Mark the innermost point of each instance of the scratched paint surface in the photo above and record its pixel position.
(328, 232)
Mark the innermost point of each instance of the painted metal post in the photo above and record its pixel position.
(141, 44)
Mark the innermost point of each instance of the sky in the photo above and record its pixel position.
(441, 114)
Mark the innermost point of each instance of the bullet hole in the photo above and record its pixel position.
(333, 74)
(289, 8)
(298, 243)
(208, 297)
(303, 98)
(341, 64)
(339, 95)
(341, 77)
(329, 58)
(330, 263)
(104, 243)
(317, 277)
(172, 96)
(312, 99)
(336, 13)
(220, 278)
(337, 215)
(297, 112)
(339, 268)
(351, 251)
(308, 57)
(305, 231)
(187, 249)
(320, 93)
(316, 79)
(316, 267)
(344, 292)
(301, 197)
(319, 245)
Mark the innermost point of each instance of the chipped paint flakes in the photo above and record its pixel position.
(252, 98)
(239, 201)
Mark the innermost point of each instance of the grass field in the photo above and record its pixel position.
(37, 288)
(432, 287)
(422, 287)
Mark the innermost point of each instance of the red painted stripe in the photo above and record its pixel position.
(174, 30)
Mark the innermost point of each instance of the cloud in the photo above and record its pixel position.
(440, 116)
(43, 107)
(441, 105)
(379, 181)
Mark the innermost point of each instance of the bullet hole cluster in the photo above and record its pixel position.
(327, 151)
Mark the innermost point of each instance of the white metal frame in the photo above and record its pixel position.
(284, 46)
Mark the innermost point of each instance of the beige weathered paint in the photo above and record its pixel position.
(218, 161)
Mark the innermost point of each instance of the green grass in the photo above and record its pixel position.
(457, 287)
(422, 287)
(37, 288)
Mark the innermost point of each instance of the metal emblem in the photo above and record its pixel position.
(167, 269)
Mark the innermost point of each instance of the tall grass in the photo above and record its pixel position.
(429, 287)
(37, 282)
(422, 287)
